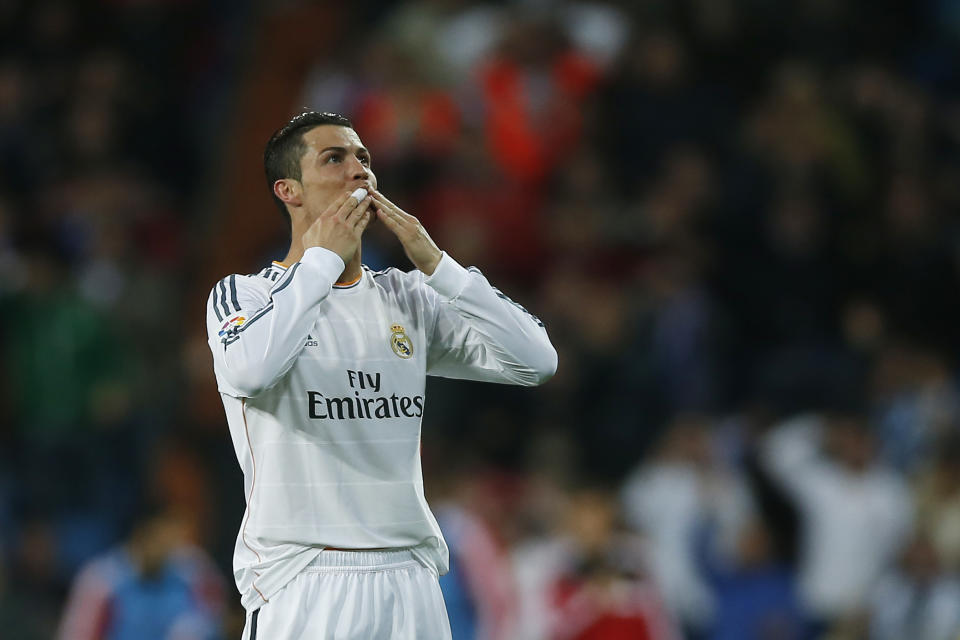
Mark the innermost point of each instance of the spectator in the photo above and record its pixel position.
(31, 586)
(938, 502)
(671, 500)
(588, 580)
(532, 91)
(63, 348)
(856, 512)
(701, 195)
(917, 600)
(154, 586)
(478, 589)
(916, 404)
(755, 592)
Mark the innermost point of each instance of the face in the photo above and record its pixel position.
(155, 540)
(851, 443)
(335, 161)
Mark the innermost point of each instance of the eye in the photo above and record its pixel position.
(364, 160)
(334, 158)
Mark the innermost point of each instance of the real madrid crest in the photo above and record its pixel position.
(399, 342)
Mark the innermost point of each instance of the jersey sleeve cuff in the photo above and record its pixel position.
(449, 279)
(328, 263)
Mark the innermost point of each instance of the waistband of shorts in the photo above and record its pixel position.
(374, 559)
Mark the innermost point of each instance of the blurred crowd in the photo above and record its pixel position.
(736, 218)
(103, 107)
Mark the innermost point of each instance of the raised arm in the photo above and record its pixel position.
(479, 333)
(790, 453)
(255, 336)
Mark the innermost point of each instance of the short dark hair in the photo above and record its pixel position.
(281, 158)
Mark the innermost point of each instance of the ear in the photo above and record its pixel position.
(288, 190)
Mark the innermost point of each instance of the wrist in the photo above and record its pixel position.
(449, 279)
(328, 261)
(430, 266)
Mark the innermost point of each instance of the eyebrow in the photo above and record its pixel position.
(343, 150)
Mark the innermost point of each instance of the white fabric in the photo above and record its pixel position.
(670, 503)
(361, 595)
(854, 523)
(323, 388)
(902, 608)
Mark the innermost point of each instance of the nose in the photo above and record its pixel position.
(358, 171)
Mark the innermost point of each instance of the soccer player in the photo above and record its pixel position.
(321, 364)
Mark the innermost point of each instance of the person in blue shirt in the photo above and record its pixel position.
(756, 596)
(154, 586)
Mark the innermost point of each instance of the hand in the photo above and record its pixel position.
(340, 227)
(417, 244)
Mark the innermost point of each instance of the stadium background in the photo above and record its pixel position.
(727, 213)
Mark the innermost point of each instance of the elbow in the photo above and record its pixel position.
(250, 389)
(246, 383)
(246, 378)
(544, 367)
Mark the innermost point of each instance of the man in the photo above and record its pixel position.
(321, 365)
(155, 586)
(856, 511)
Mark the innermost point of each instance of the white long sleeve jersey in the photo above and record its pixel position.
(323, 388)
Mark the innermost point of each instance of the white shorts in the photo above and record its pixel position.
(367, 595)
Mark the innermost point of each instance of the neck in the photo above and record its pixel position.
(351, 270)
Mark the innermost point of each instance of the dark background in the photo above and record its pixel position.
(726, 212)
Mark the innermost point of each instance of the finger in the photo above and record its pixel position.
(405, 218)
(364, 220)
(350, 203)
(384, 202)
(342, 200)
(355, 214)
(390, 219)
(402, 219)
(382, 199)
(401, 222)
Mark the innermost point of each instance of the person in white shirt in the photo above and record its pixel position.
(917, 599)
(673, 499)
(856, 512)
(321, 364)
